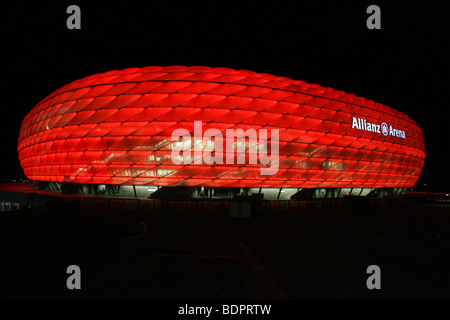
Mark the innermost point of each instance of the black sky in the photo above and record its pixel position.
(404, 65)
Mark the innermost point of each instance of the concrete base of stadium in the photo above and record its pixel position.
(175, 192)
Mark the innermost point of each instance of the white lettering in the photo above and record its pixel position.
(374, 281)
(240, 135)
(236, 146)
(183, 146)
(362, 124)
(74, 281)
(74, 20)
(374, 20)
(355, 123)
(246, 309)
(195, 310)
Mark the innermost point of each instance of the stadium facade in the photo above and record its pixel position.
(216, 132)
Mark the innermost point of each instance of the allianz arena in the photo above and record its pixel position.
(112, 134)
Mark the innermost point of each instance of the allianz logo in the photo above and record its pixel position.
(362, 124)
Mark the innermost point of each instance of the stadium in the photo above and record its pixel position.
(203, 132)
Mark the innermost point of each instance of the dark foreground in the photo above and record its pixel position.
(313, 256)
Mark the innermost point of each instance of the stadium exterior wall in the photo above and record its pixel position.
(118, 128)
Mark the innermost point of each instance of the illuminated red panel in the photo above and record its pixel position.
(116, 127)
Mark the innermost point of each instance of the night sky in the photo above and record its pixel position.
(404, 65)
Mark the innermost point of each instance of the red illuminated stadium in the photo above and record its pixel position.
(116, 129)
